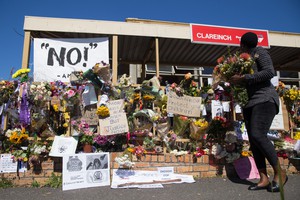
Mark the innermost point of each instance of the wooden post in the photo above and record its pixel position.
(26, 50)
(114, 59)
(157, 56)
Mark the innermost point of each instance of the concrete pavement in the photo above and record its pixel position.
(205, 188)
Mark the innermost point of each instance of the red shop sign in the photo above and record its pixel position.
(222, 35)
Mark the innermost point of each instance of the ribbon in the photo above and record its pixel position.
(24, 107)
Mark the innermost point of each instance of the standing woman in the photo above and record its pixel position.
(259, 112)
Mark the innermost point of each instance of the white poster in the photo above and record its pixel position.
(124, 178)
(7, 163)
(62, 146)
(55, 59)
(216, 108)
(277, 123)
(117, 122)
(86, 170)
(184, 105)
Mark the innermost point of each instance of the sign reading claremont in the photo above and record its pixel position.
(222, 35)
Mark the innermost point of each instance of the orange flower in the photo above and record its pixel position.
(245, 56)
(220, 60)
(188, 76)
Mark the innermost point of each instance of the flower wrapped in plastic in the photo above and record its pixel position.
(198, 128)
(181, 124)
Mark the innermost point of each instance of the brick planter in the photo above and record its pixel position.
(205, 166)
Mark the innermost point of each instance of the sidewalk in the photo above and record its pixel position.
(204, 188)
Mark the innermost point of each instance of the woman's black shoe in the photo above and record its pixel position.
(256, 187)
(275, 187)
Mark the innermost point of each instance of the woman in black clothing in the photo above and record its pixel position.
(259, 112)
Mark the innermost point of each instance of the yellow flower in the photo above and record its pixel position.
(103, 111)
(55, 107)
(297, 136)
(20, 72)
(148, 97)
(25, 159)
(245, 153)
(66, 125)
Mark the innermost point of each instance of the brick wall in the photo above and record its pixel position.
(205, 166)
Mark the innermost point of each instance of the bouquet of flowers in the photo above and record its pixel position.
(216, 130)
(40, 93)
(17, 136)
(22, 73)
(198, 128)
(231, 65)
(6, 89)
(291, 98)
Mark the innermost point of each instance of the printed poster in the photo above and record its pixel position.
(62, 146)
(55, 59)
(7, 163)
(86, 170)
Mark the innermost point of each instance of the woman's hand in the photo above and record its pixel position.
(237, 79)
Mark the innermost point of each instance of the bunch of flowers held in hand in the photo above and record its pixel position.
(236, 64)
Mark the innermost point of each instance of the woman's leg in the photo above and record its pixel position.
(260, 123)
(258, 156)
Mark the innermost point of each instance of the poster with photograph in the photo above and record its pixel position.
(86, 170)
(216, 108)
(62, 146)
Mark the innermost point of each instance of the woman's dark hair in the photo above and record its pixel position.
(249, 40)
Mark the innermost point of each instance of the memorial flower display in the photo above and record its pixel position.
(58, 108)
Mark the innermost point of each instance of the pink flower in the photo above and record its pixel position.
(71, 93)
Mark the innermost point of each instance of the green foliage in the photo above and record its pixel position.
(6, 183)
(55, 181)
(35, 184)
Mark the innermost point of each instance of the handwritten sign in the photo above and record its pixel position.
(116, 123)
(55, 59)
(90, 115)
(184, 105)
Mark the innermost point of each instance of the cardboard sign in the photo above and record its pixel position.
(184, 105)
(90, 115)
(117, 122)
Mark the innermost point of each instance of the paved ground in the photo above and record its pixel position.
(205, 188)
